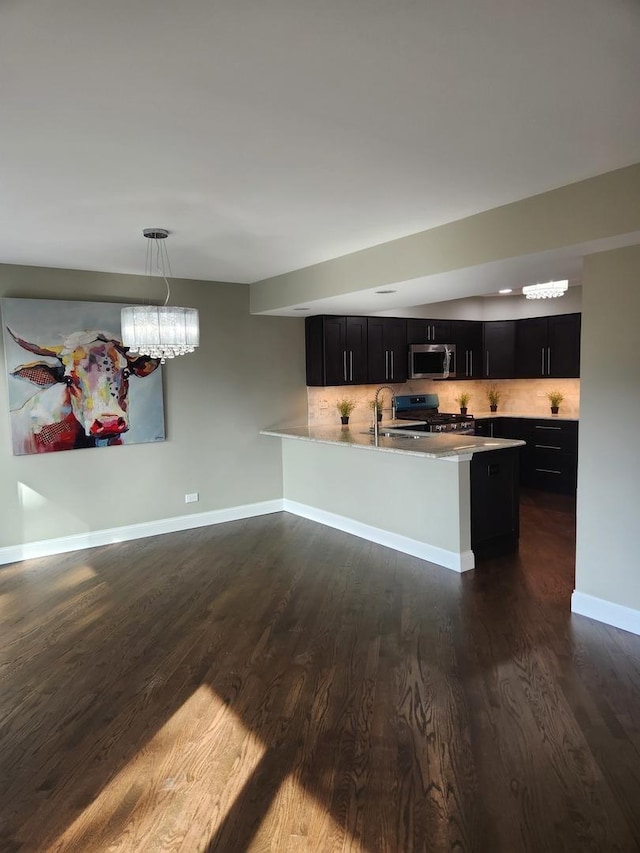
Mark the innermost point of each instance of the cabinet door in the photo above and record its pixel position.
(484, 427)
(325, 339)
(387, 349)
(356, 349)
(428, 331)
(417, 331)
(467, 337)
(494, 499)
(378, 360)
(499, 349)
(335, 350)
(563, 353)
(441, 330)
(395, 337)
(531, 347)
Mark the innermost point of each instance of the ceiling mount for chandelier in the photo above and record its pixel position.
(548, 290)
(163, 331)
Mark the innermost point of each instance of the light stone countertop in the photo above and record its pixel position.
(434, 445)
(533, 416)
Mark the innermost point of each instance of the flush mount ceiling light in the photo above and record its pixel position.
(548, 290)
(159, 331)
(506, 290)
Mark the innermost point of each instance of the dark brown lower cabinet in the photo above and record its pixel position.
(495, 505)
(551, 456)
(549, 461)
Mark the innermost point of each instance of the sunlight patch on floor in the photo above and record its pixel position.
(194, 767)
(74, 577)
(296, 821)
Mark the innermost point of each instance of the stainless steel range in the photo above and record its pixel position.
(424, 407)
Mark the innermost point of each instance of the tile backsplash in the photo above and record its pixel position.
(518, 397)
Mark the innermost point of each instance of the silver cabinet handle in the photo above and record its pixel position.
(548, 471)
(548, 427)
(542, 351)
(548, 361)
(393, 369)
(466, 362)
(344, 364)
(386, 364)
(434, 333)
(487, 362)
(471, 363)
(351, 365)
(548, 447)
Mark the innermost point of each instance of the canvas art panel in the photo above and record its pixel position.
(71, 383)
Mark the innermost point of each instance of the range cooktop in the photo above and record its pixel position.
(424, 407)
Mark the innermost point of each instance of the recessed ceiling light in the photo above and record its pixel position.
(388, 290)
(506, 290)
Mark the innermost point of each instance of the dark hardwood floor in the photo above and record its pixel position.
(274, 685)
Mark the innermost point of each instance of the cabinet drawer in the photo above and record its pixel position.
(552, 460)
(551, 480)
(562, 435)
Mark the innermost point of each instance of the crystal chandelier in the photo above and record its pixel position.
(161, 331)
(548, 290)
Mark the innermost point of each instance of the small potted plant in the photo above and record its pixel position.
(345, 407)
(555, 398)
(462, 400)
(372, 406)
(493, 396)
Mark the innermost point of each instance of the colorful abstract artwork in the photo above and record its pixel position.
(71, 383)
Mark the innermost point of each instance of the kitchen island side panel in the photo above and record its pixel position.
(421, 498)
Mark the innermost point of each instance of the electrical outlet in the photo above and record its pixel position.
(323, 404)
(194, 497)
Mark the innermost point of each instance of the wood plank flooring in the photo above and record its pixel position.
(274, 685)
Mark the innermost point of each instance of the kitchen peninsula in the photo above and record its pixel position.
(442, 498)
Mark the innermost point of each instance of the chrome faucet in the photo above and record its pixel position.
(376, 408)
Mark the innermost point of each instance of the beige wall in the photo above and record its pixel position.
(247, 374)
(596, 209)
(427, 500)
(607, 558)
(508, 307)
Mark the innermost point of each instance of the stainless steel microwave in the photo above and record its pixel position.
(432, 361)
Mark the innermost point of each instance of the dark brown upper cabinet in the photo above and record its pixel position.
(428, 331)
(336, 350)
(467, 337)
(387, 349)
(499, 349)
(548, 347)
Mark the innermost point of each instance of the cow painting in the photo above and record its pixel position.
(82, 392)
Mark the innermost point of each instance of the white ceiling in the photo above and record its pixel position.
(268, 135)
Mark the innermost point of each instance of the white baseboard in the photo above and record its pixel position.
(94, 538)
(606, 611)
(462, 562)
